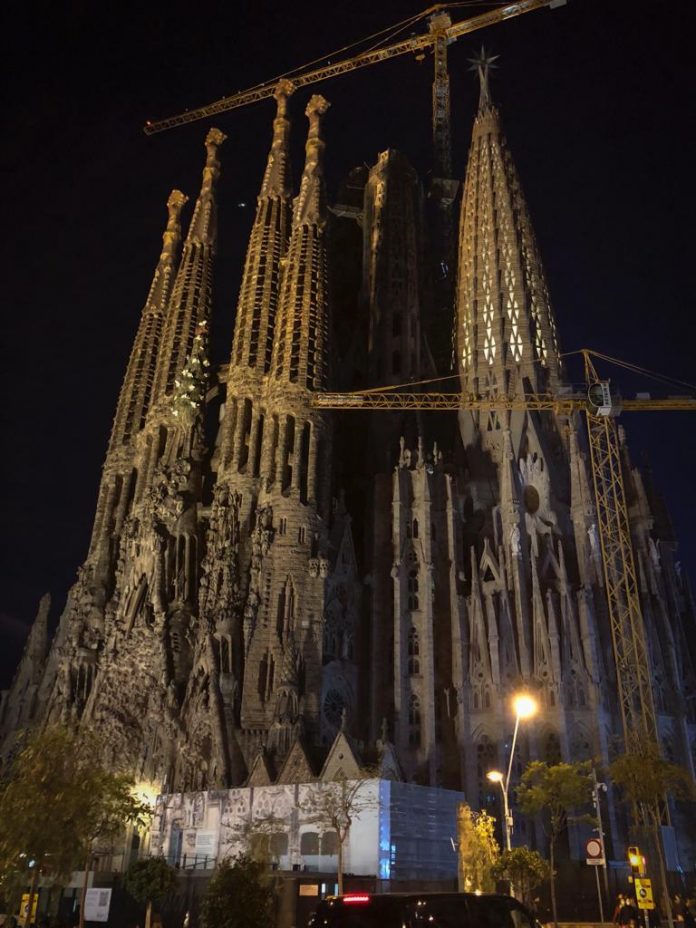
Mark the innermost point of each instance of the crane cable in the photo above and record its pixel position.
(384, 35)
(634, 368)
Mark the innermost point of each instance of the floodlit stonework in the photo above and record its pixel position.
(266, 578)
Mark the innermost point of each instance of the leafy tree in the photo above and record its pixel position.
(54, 803)
(109, 804)
(239, 896)
(149, 881)
(553, 791)
(525, 869)
(335, 805)
(646, 780)
(478, 849)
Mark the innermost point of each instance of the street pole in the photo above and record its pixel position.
(512, 750)
(599, 896)
(507, 816)
(596, 787)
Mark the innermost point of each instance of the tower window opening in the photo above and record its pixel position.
(256, 466)
(413, 603)
(413, 652)
(288, 453)
(275, 434)
(319, 471)
(304, 461)
(245, 429)
(396, 362)
(414, 722)
(396, 324)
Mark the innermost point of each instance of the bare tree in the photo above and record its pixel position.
(335, 805)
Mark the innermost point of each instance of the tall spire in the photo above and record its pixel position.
(301, 353)
(136, 392)
(391, 269)
(506, 333)
(258, 294)
(192, 291)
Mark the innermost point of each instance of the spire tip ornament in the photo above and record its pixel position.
(317, 105)
(484, 63)
(215, 137)
(177, 200)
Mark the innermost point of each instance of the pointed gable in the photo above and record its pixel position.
(297, 768)
(259, 774)
(341, 762)
(388, 766)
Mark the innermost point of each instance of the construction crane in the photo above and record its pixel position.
(443, 187)
(601, 407)
(442, 33)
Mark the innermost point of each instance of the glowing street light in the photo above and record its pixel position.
(525, 707)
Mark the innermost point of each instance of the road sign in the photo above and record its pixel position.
(24, 909)
(644, 893)
(594, 852)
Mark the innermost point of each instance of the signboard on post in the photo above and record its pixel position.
(644, 893)
(97, 904)
(24, 909)
(594, 853)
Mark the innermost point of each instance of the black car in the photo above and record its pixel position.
(421, 910)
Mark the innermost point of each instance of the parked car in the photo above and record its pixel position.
(421, 910)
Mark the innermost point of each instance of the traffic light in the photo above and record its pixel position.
(637, 861)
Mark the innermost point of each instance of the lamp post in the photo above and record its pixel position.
(495, 776)
(525, 707)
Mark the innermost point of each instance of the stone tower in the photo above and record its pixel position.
(232, 620)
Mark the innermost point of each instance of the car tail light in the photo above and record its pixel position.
(356, 898)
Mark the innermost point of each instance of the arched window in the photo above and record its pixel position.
(278, 844)
(485, 761)
(413, 652)
(415, 528)
(552, 749)
(413, 589)
(414, 722)
(329, 844)
(309, 843)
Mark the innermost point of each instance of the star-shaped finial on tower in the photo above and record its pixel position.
(483, 63)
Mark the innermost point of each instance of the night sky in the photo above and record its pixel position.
(596, 99)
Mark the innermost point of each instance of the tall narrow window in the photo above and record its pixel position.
(413, 652)
(245, 426)
(319, 472)
(289, 450)
(414, 722)
(274, 450)
(413, 603)
(256, 468)
(304, 462)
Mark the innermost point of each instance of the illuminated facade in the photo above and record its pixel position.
(247, 601)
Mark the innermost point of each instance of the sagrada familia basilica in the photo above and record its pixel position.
(265, 575)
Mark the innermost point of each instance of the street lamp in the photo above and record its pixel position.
(525, 707)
